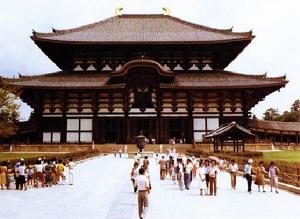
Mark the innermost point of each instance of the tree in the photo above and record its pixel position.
(9, 113)
(271, 114)
(295, 106)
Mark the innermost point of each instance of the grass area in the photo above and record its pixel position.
(14, 156)
(290, 156)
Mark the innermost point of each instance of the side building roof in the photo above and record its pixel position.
(274, 126)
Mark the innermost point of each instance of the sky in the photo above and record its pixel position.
(275, 50)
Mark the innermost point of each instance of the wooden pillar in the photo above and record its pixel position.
(159, 119)
(190, 121)
(237, 146)
(95, 114)
(243, 142)
(246, 99)
(297, 138)
(38, 109)
(234, 150)
(126, 126)
(221, 141)
(64, 114)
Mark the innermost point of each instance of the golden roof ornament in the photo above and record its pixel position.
(118, 11)
(167, 11)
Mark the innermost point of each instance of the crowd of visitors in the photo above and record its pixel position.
(184, 169)
(41, 173)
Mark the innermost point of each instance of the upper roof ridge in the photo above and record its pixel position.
(57, 32)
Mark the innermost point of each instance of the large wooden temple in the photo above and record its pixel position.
(130, 74)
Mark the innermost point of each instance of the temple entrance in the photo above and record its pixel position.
(177, 129)
(111, 131)
(143, 126)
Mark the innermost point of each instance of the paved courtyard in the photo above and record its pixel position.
(102, 190)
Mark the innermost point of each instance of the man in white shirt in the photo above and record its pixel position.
(143, 187)
(248, 172)
(233, 170)
(71, 166)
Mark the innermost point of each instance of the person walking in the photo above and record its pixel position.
(206, 167)
(260, 176)
(213, 171)
(71, 166)
(201, 175)
(134, 173)
(120, 152)
(233, 170)
(162, 168)
(188, 173)
(39, 175)
(143, 187)
(22, 172)
(146, 162)
(248, 174)
(60, 170)
(3, 174)
(179, 170)
(273, 174)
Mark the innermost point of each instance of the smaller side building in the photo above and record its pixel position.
(280, 133)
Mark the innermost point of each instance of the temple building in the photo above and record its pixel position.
(129, 74)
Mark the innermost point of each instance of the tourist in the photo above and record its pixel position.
(120, 152)
(156, 159)
(54, 174)
(260, 176)
(3, 174)
(173, 172)
(162, 168)
(248, 174)
(30, 173)
(213, 171)
(60, 171)
(48, 175)
(146, 162)
(273, 174)
(71, 165)
(16, 175)
(206, 167)
(194, 171)
(179, 170)
(134, 173)
(10, 175)
(221, 164)
(143, 188)
(22, 172)
(38, 175)
(188, 173)
(233, 170)
(201, 175)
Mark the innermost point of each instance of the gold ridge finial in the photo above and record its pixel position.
(118, 11)
(167, 11)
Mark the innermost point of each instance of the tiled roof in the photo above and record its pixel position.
(195, 80)
(224, 129)
(153, 28)
(223, 80)
(274, 125)
(62, 80)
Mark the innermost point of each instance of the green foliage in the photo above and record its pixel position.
(9, 114)
(271, 114)
(288, 116)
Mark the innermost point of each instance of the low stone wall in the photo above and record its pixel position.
(248, 147)
(103, 148)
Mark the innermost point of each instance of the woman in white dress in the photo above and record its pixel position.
(201, 177)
